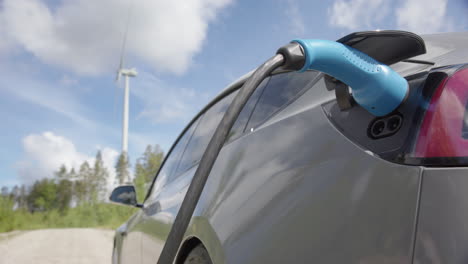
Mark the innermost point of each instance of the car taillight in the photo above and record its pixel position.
(444, 129)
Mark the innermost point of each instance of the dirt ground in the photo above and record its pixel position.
(56, 246)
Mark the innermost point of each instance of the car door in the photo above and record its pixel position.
(168, 192)
(154, 231)
(130, 237)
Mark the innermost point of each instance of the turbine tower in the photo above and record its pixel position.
(127, 73)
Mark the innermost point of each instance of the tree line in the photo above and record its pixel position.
(86, 187)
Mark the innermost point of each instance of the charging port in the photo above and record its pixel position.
(384, 127)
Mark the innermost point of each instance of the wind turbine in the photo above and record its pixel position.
(127, 73)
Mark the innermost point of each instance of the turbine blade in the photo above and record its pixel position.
(116, 89)
(117, 77)
(124, 40)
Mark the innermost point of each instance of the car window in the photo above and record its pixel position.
(166, 173)
(203, 134)
(281, 90)
(239, 126)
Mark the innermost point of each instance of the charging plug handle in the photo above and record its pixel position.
(294, 57)
(375, 86)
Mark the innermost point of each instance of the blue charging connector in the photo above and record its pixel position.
(375, 86)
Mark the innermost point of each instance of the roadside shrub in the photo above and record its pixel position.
(100, 215)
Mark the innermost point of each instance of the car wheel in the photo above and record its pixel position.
(198, 255)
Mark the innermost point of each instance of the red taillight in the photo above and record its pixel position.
(441, 131)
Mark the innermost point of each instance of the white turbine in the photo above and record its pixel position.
(127, 73)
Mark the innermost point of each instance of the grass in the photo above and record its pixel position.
(100, 215)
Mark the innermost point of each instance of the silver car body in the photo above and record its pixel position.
(295, 189)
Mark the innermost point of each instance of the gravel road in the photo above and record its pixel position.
(56, 246)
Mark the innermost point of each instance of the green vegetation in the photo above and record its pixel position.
(71, 199)
(121, 168)
(86, 215)
(146, 167)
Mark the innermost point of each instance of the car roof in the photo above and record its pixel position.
(442, 49)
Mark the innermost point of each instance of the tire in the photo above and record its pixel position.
(198, 255)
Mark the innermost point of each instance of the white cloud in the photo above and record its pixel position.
(419, 16)
(423, 16)
(85, 35)
(355, 14)
(296, 20)
(5, 43)
(45, 153)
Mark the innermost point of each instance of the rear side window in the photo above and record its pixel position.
(239, 126)
(280, 90)
(203, 133)
(166, 173)
(172, 161)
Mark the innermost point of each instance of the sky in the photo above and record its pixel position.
(60, 104)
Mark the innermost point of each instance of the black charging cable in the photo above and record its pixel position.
(289, 57)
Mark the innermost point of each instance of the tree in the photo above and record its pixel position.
(43, 195)
(151, 161)
(14, 195)
(72, 175)
(84, 172)
(64, 188)
(6, 202)
(122, 168)
(146, 168)
(4, 191)
(139, 182)
(83, 183)
(99, 179)
(62, 173)
(23, 197)
(79, 192)
(63, 194)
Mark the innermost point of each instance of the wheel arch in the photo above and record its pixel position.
(188, 245)
(200, 232)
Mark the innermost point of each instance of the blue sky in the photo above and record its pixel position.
(58, 99)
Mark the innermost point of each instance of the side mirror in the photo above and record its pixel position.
(125, 194)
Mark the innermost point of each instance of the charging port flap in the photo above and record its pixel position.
(386, 46)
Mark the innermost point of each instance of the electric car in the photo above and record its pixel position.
(307, 175)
